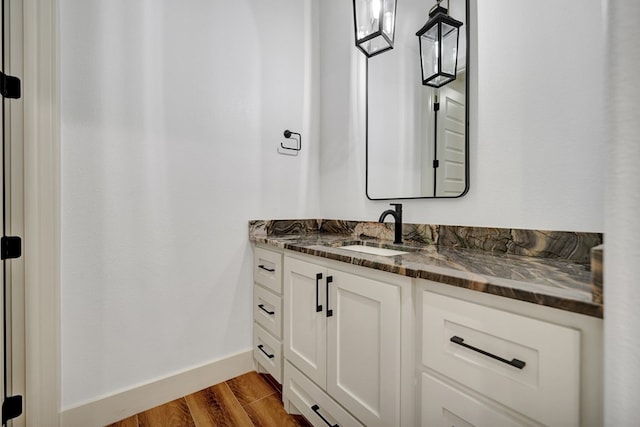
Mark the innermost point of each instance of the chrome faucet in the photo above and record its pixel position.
(397, 216)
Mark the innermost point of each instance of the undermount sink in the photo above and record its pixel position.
(373, 250)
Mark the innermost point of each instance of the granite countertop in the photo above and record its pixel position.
(557, 283)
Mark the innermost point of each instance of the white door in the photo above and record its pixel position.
(305, 324)
(363, 344)
(450, 141)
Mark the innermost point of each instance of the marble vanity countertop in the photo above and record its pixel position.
(556, 283)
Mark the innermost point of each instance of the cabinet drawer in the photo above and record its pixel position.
(267, 269)
(525, 364)
(267, 310)
(445, 405)
(316, 406)
(267, 351)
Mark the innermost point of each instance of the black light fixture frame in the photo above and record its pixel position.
(378, 33)
(438, 16)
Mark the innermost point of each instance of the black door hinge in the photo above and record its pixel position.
(11, 408)
(436, 164)
(436, 106)
(10, 247)
(9, 86)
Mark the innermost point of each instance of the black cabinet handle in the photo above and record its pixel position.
(316, 409)
(318, 306)
(329, 280)
(261, 307)
(270, 270)
(516, 363)
(261, 348)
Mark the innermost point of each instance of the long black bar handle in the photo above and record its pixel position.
(270, 270)
(329, 280)
(270, 313)
(316, 409)
(516, 363)
(261, 348)
(318, 305)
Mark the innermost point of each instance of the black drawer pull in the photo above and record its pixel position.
(316, 409)
(270, 313)
(516, 363)
(329, 280)
(270, 356)
(270, 270)
(318, 278)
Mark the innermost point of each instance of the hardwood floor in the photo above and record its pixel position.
(251, 400)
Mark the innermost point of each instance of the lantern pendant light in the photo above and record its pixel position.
(438, 40)
(374, 23)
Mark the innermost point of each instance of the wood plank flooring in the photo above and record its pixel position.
(251, 400)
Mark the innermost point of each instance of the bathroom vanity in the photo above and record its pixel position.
(424, 336)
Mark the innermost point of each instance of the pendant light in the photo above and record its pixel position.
(438, 40)
(374, 23)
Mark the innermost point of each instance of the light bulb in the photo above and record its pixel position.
(388, 23)
(375, 9)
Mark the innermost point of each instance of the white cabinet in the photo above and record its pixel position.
(267, 352)
(267, 311)
(305, 321)
(485, 366)
(528, 365)
(355, 346)
(443, 404)
(313, 402)
(343, 332)
(363, 348)
(267, 269)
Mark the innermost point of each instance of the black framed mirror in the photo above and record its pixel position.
(417, 138)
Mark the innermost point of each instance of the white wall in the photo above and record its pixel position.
(622, 252)
(171, 115)
(536, 130)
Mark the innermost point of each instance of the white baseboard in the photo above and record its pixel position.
(116, 407)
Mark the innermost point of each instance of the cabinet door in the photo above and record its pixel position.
(267, 269)
(363, 347)
(525, 364)
(305, 327)
(267, 310)
(312, 402)
(267, 352)
(444, 405)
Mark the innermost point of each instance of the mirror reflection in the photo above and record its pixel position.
(417, 135)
